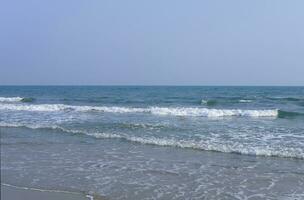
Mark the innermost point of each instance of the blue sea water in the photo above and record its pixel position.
(160, 142)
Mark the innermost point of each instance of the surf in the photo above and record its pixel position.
(172, 111)
(16, 99)
(202, 145)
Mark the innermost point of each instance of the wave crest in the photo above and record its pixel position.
(16, 99)
(245, 100)
(174, 111)
(10, 99)
(211, 102)
(205, 112)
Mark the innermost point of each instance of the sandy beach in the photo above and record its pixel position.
(9, 192)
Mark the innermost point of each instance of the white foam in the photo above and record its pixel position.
(10, 99)
(245, 101)
(174, 111)
(31, 126)
(40, 190)
(205, 112)
(204, 101)
(63, 107)
(206, 145)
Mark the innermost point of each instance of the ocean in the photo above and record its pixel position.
(155, 142)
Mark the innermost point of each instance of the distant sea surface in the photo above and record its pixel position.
(128, 142)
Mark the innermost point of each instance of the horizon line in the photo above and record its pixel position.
(151, 85)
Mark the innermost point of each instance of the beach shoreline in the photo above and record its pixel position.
(12, 192)
(122, 142)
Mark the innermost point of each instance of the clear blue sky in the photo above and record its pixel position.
(162, 42)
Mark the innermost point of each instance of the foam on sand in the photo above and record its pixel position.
(15, 192)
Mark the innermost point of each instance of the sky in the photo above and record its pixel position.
(158, 42)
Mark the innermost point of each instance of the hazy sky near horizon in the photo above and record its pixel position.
(171, 42)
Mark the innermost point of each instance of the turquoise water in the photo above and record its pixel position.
(155, 142)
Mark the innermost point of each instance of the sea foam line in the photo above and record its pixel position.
(16, 99)
(245, 100)
(174, 111)
(10, 99)
(89, 197)
(205, 145)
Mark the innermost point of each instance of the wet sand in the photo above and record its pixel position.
(22, 193)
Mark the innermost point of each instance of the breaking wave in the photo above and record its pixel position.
(214, 102)
(205, 112)
(28, 99)
(211, 102)
(173, 111)
(16, 99)
(10, 99)
(245, 100)
(287, 152)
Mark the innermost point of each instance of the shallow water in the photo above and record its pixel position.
(155, 142)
